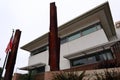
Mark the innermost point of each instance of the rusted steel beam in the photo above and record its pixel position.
(54, 41)
(12, 56)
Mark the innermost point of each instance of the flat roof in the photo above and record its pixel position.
(100, 13)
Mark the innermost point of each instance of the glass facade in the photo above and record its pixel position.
(93, 58)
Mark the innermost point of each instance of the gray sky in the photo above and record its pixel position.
(32, 18)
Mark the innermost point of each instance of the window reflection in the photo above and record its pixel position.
(95, 57)
(74, 36)
(88, 30)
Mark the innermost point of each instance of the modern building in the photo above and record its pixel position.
(86, 41)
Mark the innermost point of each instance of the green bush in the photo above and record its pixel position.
(108, 75)
(68, 76)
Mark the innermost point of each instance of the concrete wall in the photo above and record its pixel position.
(71, 47)
(40, 58)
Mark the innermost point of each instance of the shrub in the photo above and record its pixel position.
(108, 75)
(69, 76)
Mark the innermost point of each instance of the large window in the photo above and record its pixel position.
(83, 32)
(95, 57)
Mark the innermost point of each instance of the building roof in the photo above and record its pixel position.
(99, 14)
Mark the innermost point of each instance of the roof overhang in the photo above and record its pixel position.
(91, 50)
(30, 67)
(101, 13)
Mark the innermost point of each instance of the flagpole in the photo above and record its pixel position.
(4, 65)
(6, 57)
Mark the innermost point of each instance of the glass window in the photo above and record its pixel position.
(74, 36)
(106, 55)
(95, 57)
(83, 61)
(91, 59)
(103, 57)
(63, 40)
(110, 56)
(79, 62)
(88, 30)
(98, 26)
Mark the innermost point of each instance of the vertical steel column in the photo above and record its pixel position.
(12, 56)
(54, 41)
